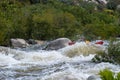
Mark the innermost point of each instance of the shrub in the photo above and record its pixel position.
(114, 51)
(106, 75)
(109, 75)
(54, 19)
(111, 55)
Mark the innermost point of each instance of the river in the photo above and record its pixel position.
(69, 63)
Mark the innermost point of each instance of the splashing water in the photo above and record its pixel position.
(70, 63)
(81, 48)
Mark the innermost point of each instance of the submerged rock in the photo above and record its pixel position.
(7, 50)
(93, 77)
(4, 50)
(58, 43)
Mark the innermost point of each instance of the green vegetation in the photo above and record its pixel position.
(50, 19)
(111, 55)
(109, 75)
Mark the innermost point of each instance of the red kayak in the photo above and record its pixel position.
(71, 43)
(99, 42)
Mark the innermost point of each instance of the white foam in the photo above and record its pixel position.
(70, 74)
(45, 58)
(7, 59)
(81, 49)
(77, 67)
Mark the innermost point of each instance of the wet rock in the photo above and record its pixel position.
(32, 41)
(58, 43)
(40, 42)
(19, 43)
(102, 2)
(93, 77)
(34, 47)
(118, 9)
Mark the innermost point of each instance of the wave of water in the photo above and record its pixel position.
(70, 63)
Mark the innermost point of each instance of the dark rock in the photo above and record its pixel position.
(32, 41)
(93, 77)
(58, 43)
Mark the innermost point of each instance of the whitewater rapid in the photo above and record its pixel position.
(69, 63)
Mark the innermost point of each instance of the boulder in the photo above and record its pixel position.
(19, 43)
(93, 77)
(32, 41)
(58, 43)
(40, 42)
(118, 8)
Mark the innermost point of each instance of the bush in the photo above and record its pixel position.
(54, 19)
(109, 75)
(114, 51)
(111, 55)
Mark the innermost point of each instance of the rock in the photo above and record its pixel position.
(93, 77)
(102, 1)
(32, 41)
(40, 42)
(19, 43)
(118, 8)
(58, 43)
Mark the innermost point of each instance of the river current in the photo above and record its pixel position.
(69, 63)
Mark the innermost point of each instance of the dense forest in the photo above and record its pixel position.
(51, 19)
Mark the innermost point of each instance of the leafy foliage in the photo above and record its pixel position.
(114, 51)
(109, 75)
(50, 19)
(112, 54)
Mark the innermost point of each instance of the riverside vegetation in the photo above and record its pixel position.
(109, 75)
(112, 55)
(51, 19)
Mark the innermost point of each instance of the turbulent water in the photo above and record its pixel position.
(70, 63)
